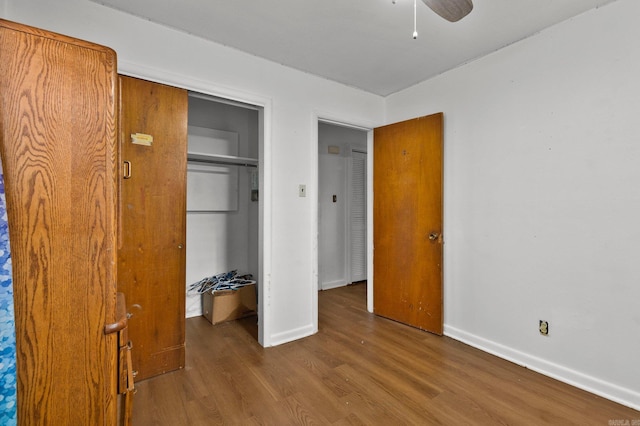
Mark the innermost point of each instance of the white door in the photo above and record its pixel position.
(358, 216)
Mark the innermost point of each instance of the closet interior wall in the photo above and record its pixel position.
(220, 241)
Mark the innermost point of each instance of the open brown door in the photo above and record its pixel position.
(151, 259)
(407, 233)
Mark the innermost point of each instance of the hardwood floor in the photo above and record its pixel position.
(358, 369)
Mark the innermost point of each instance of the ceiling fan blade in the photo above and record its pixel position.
(451, 10)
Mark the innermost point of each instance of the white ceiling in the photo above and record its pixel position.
(366, 44)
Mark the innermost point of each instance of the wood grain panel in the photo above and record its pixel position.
(58, 151)
(151, 260)
(408, 222)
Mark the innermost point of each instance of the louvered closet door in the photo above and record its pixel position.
(358, 216)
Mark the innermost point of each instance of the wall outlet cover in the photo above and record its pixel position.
(543, 327)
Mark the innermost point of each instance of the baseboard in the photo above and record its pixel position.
(193, 306)
(333, 284)
(291, 335)
(613, 392)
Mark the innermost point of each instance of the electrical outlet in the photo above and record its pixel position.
(544, 328)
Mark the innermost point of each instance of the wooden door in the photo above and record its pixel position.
(58, 144)
(151, 259)
(407, 264)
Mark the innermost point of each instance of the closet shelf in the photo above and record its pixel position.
(222, 159)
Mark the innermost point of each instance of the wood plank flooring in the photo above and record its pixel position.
(358, 369)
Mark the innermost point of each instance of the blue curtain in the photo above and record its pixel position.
(7, 328)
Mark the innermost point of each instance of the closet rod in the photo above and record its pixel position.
(222, 160)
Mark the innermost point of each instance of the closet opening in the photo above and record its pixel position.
(223, 199)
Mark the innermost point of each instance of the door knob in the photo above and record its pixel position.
(433, 236)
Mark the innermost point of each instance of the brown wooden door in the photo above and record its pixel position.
(151, 259)
(407, 186)
(58, 145)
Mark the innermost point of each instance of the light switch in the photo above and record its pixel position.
(302, 190)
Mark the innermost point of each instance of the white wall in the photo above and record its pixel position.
(542, 199)
(293, 101)
(332, 221)
(333, 218)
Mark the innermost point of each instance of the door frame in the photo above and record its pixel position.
(265, 111)
(368, 127)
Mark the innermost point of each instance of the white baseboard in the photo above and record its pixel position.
(611, 391)
(291, 335)
(193, 305)
(333, 284)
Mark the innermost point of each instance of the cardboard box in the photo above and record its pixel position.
(227, 305)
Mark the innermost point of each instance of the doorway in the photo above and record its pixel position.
(342, 205)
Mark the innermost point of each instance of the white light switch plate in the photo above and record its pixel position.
(302, 190)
